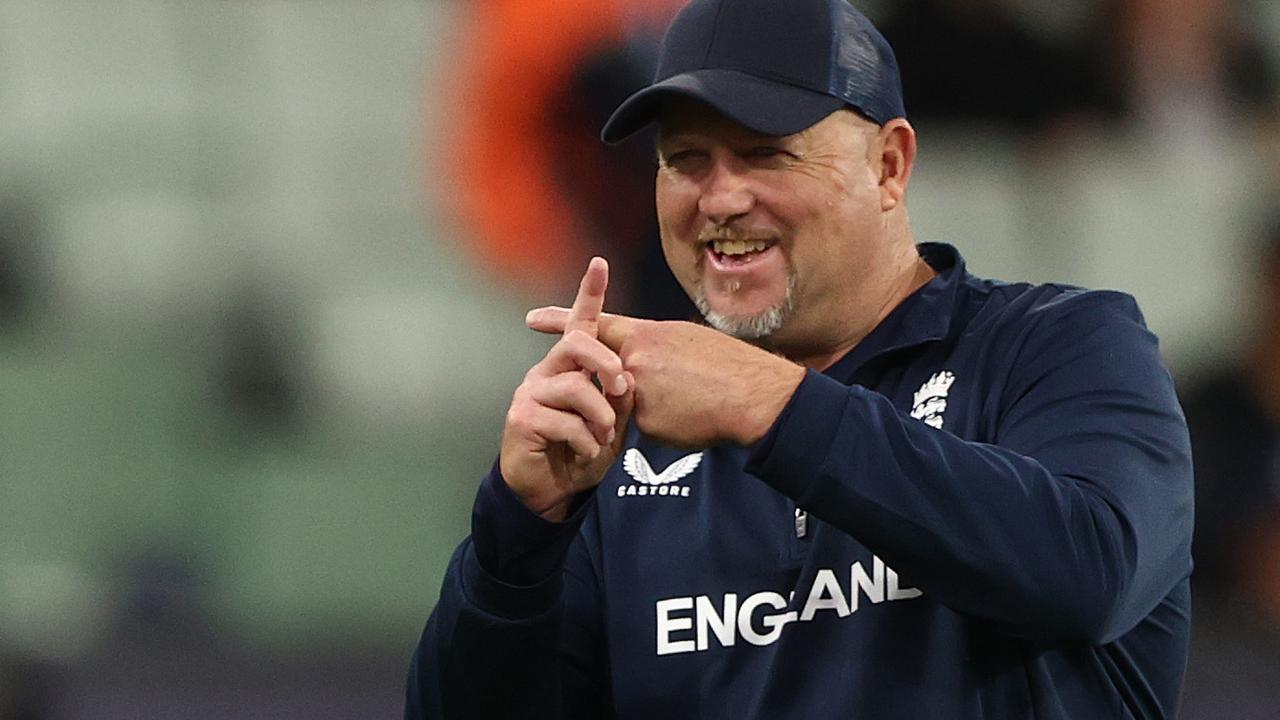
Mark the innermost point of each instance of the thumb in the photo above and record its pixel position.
(613, 330)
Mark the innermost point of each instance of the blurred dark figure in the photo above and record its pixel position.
(162, 600)
(1176, 56)
(259, 365)
(537, 191)
(998, 63)
(17, 272)
(989, 62)
(25, 690)
(1234, 418)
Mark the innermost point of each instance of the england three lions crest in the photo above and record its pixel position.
(930, 401)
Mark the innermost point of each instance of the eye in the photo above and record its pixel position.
(769, 152)
(683, 160)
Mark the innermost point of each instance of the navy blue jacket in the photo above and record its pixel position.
(984, 510)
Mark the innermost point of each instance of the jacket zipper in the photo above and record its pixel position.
(801, 523)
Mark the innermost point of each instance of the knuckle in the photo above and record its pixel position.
(527, 393)
(579, 345)
(551, 384)
(584, 444)
(637, 358)
(576, 383)
(589, 397)
(519, 397)
(518, 420)
(598, 410)
(564, 346)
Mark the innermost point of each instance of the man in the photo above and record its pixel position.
(876, 486)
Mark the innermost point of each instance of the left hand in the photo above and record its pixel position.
(695, 386)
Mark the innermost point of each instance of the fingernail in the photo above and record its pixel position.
(620, 383)
(528, 317)
(612, 435)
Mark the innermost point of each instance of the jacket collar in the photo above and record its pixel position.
(925, 316)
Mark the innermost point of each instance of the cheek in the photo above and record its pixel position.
(676, 202)
(678, 228)
(670, 252)
(851, 200)
(670, 230)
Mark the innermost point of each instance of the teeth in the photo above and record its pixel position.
(738, 247)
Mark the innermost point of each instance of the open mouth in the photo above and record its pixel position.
(732, 253)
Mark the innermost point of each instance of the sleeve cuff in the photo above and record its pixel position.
(503, 599)
(796, 447)
(512, 543)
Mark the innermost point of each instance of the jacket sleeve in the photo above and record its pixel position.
(516, 632)
(1074, 523)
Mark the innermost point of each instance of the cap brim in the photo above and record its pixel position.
(765, 106)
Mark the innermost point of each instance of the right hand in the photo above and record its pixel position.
(561, 432)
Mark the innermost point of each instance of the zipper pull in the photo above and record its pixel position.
(802, 523)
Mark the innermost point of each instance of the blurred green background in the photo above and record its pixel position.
(197, 201)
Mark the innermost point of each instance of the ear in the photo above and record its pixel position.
(897, 140)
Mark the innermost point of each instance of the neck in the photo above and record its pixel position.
(913, 274)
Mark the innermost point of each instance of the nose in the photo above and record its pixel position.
(727, 193)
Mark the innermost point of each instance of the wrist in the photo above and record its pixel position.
(556, 511)
(541, 504)
(767, 402)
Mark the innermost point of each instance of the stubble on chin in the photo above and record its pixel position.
(756, 328)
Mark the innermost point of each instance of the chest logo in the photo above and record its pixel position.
(930, 401)
(650, 483)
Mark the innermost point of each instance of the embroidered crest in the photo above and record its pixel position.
(930, 401)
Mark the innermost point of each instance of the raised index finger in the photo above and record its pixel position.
(587, 306)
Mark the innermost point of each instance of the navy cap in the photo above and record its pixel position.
(774, 66)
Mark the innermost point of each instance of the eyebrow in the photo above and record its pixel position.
(663, 136)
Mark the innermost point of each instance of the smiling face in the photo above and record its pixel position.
(793, 242)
